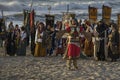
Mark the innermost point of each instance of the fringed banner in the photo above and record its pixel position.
(92, 13)
(32, 19)
(106, 14)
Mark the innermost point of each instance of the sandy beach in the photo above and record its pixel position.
(54, 68)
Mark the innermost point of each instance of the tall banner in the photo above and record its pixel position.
(119, 30)
(25, 12)
(32, 31)
(106, 14)
(31, 19)
(49, 20)
(118, 16)
(92, 13)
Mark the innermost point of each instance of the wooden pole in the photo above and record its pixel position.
(49, 9)
(68, 8)
(105, 46)
(31, 5)
(2, 13)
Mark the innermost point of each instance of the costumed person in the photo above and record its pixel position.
(61, 41)
(102, 27)
(53, 40)
(73, 49)
(88, 47)
(40, 41)
(1, 41)
(23, 43)
(82, 38)
(49, 32)
(96, 41)
(113, 43)
(10, 26)
(3, 33)
(10, 43)
(17, 38)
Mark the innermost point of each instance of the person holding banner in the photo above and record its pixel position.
(101, 28)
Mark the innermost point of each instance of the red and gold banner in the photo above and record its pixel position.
(92, 13)
(32, 18)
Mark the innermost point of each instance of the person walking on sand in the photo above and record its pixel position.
(73, 49)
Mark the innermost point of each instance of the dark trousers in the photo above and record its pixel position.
(11, 48)
(101, 53)
(32, 43)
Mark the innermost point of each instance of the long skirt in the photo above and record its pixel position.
(22, 49)
(88, 48)
(11, 48)
(73, 51)
(40, 51)
(113, 52)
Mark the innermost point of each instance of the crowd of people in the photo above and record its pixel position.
(98, 39)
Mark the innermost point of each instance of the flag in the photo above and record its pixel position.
(92, 13)
(106, 13)
(31, 19)
(50, 20)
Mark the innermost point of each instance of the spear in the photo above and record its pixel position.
(68, 8)
(31, 5)
(2, 13)
(49, 8)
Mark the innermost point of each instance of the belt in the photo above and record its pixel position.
(74, 41)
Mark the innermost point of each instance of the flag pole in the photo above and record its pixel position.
(31, 5)
(68, 8)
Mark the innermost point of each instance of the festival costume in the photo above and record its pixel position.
(113, 46)
(10, 43)
(49, 41)
(88, 47)
(17, 40)
(72, 51)
(101, 30)
(40, 50)
(23, 43)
